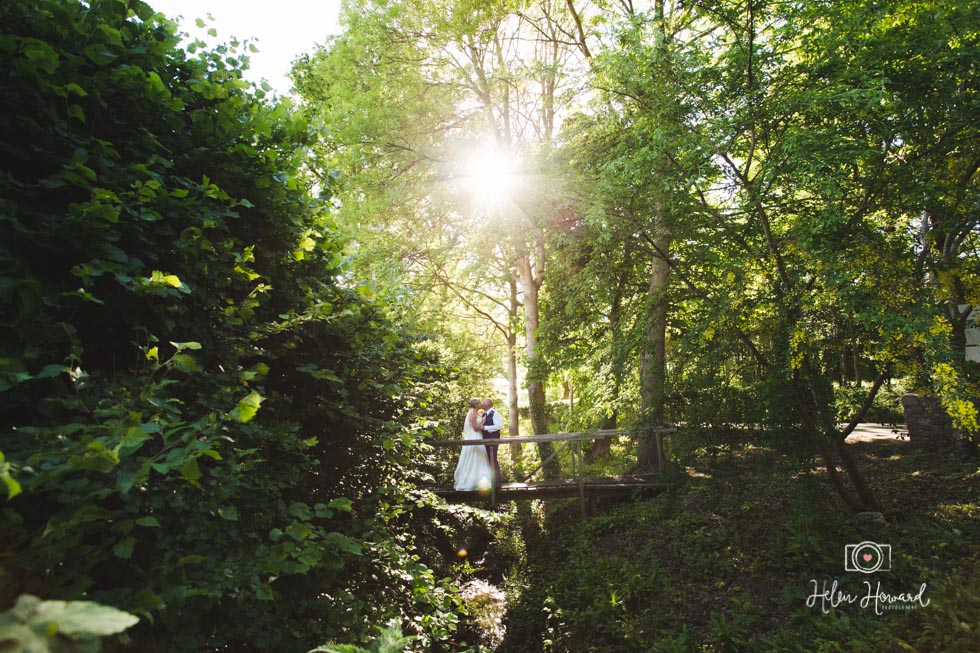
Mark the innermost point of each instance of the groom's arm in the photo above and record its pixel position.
(493, 427)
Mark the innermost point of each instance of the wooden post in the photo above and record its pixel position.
(580, 472)
(660, 451)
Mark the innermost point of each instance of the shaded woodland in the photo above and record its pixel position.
(231, 321)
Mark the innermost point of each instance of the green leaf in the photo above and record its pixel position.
(79, 619)
(13, 487)
(135, 436)
(124, 549)
(340, 503)
(185, 363)
(41, 54)
(100, 54)
(111, 35)
(345, 543)
(158, 278)
(247, 407)
(96, 458)
(150, 522)
(191, 472)
(155, 83)
(49, 371)
(12, 373)
(186, 345)
(76, 112)
(228, 512)
(298, 530)
(72, 87)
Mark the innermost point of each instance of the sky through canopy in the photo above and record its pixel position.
(282, 30)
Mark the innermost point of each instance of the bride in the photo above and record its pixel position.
(473, 469)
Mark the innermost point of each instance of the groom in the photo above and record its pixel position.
(491, 431)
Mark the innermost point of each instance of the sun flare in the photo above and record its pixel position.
(492, 177)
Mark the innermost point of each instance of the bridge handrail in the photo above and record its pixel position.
(548, 437)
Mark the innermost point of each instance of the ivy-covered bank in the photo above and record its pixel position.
(202, 417)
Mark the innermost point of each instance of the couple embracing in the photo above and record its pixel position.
(477, 468)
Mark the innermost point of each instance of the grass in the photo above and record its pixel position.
(726, 560)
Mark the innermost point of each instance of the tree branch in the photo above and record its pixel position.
(866, 406)
(581, 31)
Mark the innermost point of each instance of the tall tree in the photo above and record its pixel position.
(506, 66)
(783, 158)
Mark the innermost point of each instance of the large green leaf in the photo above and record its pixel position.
(36, 625)
(247, 407)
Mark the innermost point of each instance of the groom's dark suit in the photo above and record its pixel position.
(491, 431)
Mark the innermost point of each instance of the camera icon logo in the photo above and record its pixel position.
(867, 557)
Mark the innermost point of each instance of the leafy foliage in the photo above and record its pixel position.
(724, 561)
(389, 640)
(203, 423)
(59, 626)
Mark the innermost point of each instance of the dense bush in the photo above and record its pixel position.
(202, 417)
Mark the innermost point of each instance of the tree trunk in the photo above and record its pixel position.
(865, 496)
(600, 448)
(843, 365)
(813, 398)
(958, 320)
(514, 418)
(856, 357)
(653, 363)
(653, 387)
(530, 284)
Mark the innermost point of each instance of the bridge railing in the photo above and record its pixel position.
(571, 441)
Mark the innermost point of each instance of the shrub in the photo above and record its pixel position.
(203, 422)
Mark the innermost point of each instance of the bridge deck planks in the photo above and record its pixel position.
(565, 488)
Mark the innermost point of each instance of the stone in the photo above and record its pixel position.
(927, 421)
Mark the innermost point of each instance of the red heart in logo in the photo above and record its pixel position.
(867, 557)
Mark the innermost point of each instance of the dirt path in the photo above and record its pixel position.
(878, 432)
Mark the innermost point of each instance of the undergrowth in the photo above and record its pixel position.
(729, 560)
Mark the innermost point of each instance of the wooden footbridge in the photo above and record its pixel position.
(586, 489)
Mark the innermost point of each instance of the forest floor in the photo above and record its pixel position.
(746, 552)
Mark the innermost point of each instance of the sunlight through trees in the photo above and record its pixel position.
(233, 321)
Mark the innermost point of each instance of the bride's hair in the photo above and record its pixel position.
(473, 403)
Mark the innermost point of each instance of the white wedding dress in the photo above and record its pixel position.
(473, 469)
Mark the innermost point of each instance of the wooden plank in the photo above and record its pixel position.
(546, 437)
(565, 488)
